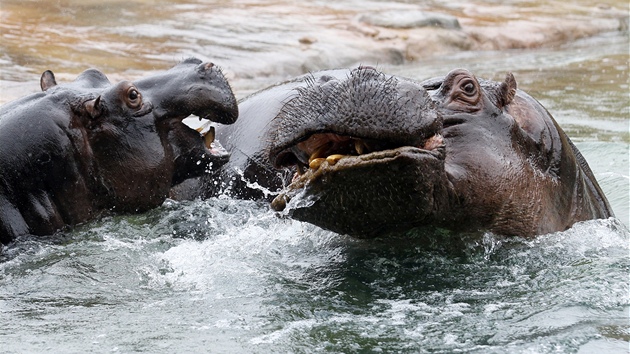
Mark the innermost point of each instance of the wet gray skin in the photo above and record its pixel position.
(371, 154)
(78, 149)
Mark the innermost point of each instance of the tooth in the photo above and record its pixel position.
(359, 146)
(315, 163)
(208, 138)
(332, 159)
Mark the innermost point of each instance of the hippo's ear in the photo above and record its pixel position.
(93, 107)
(47, 80)
(507, 91)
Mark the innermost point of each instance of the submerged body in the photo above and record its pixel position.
(78, 149)
(364, 153)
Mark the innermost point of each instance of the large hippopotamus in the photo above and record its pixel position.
(364, 153)
(75, 150)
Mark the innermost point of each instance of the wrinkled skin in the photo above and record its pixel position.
(388, 154)
(75, 150)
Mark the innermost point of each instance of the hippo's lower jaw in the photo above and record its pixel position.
(368, 188)
(197, 151)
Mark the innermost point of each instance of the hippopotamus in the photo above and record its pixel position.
(76, 150)
(367, 154)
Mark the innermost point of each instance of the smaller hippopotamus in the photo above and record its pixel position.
(367, 154)
(75, 150)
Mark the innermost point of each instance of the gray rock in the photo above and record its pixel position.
(410, 19)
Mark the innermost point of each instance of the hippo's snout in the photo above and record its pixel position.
(192, 87)
(213, 97)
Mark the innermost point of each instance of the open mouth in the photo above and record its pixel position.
(207, 133)
(224, 110)
(327, 149)
(321, 154)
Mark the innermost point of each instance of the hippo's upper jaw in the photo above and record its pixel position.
(352, 156)
(191, 87)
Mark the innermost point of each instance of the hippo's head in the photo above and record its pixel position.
(137, 134)
(79, 148)
(376, 154)
(514, 171)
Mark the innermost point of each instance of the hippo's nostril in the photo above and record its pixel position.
(208, 66)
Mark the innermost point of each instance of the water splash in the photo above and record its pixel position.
(252, 185)
(301, 199)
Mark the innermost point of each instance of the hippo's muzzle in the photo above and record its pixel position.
(378, 124)
(192, 88)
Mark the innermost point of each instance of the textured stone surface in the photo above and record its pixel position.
(410, 19)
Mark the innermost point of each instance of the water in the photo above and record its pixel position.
(245, 281)
(227, 276)
(256, 42)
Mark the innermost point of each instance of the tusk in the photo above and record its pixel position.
(315, 163)
(359, 146)
(332, 159)
(208, 138)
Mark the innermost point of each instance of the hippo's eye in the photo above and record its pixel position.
(134, 98)
(469, 88)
